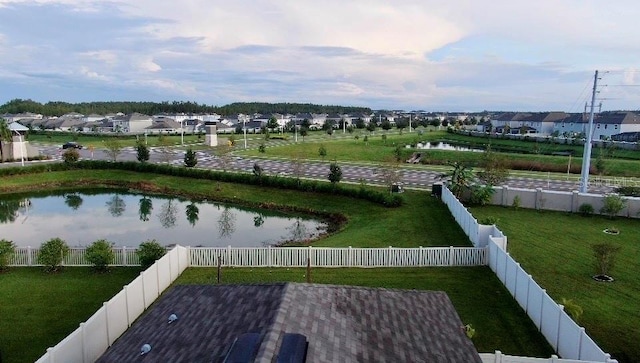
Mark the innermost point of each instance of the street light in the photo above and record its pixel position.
(244, 129)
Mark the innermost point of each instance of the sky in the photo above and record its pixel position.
(433, 55)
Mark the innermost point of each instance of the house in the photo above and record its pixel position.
(605, 124)
(339, 324)
(135, 123)
(162, 125)
(528, 123)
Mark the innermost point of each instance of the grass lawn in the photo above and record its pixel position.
(555, 248)
(38, 310)
(478, 296)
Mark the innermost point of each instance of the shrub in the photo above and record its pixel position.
(142, 152)
(586, 209)
(628, 191)
(613, 204)
(70, 156)
(604, 254)
(190, 159)
(51, 254)
(517, 202)
(100, 254)
(572, 309)
(489, 220)
(149, 252)
(7, 249)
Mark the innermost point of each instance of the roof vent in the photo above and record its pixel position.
(172, 318)
(146, 348)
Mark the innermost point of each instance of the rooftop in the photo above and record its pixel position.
(341, 324)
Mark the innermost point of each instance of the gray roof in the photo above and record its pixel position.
(341, 323)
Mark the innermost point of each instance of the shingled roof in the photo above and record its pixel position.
(341, 323)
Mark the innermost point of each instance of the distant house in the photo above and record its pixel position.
(135, 123)
(523, 122)
(605, 124)
(162, 125)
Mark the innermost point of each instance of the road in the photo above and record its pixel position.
(418, 177)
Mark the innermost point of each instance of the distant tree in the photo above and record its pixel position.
(272, 124)
(335, 173)
(322, 151)
(70, 156)
(5, 136)
(116, 205)
(142, 152)
(145, 208)
(74, 201)
(113, 148)
(190, 158)
(386, 125)
(371, 126)
(330, 131)
(304, 132)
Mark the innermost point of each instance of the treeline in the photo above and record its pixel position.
(151, 108)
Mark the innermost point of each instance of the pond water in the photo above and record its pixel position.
(127, 219)
(439, 145)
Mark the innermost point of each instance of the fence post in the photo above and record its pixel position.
(124, 256)
(228, 255)
(29, 259)
(106, 323)
(269, 260)
(309, 256)
(350, 257)
(126, 303)
(83, 342)
(50, 351)
(389, 258)
(420, 256)
(498, 356)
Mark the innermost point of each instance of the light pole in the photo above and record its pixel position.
(181, 132)
(244, 129)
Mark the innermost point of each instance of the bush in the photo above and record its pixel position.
(572, 309)
(517, 202)
(490, 220)
(586, 209)
(604, 254)
(190, 159)
(7, 249)
(613, 204)
(100, 254)
(51, 254)
(70, 156)
(628, 191)
(149, 252)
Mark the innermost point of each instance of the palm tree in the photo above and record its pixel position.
(5, 136)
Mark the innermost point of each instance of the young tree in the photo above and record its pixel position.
(224, 157)
(142, 152)
(495, 170)
(335, 173)
(322, 151)
(460, 178)
(304, 132)
(5, 136)
(272, 124)
(190, 159)
(390, 174)
(113, 148)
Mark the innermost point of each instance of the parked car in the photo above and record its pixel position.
(71, 145)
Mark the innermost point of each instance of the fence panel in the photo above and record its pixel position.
(67, 350)
(523, 280)
(550, 321)
(589, 350)
(534, 303)
(118, 315)
(95, 336)
(511, 275)
(135, 298)
(150, 285)
(569, 335)
(163, 270)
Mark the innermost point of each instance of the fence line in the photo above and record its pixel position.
(498, 357)
(568, 338)
(28, 256)
(89, 341)
(290, 256)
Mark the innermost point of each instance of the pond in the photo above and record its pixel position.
(439, 145)
(127, 219)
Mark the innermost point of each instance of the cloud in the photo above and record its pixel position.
(414, 53)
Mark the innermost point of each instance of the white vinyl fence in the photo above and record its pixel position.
(338, 257)
(28, 256)
(498, 357)
(290, 257)
(93, 337)
(567, 338)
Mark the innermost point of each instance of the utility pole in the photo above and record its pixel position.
(586, 156)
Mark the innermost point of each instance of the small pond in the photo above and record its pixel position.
(439, 145)
(127, 219)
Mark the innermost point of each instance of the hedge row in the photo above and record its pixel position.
(384, 198)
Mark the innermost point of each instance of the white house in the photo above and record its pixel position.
(135, 122)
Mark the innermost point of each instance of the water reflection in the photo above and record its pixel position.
(84, 217)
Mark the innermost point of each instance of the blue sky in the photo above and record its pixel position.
(455, 55)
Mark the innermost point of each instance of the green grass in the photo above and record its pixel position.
(38, 310)
(555, 248)
(477, 294)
